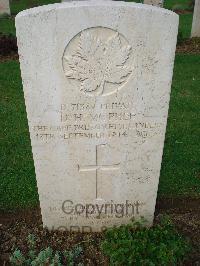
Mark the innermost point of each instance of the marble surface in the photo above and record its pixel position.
(196, 20)
(97, 87)
(4, 7)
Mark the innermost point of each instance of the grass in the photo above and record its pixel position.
(169, 4)
(7, 25)
(180, 174)
(18, 184)
(19, 5)
(180, 168)
(185, 24)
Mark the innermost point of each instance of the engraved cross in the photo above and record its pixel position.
(98, 167)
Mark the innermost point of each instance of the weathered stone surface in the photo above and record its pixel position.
(97, 87)
(4, 7)
(196, 20)
(154, 2)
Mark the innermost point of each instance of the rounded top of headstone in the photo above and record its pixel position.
(85, 3)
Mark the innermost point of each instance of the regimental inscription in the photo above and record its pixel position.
(99, 121)
(98, 167)
(98, 59)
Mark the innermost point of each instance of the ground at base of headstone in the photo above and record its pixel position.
(15, 228)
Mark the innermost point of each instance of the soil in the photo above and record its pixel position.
(183, 11)
(8, 47)
(13, 56)
(16, 226)
(189, 46)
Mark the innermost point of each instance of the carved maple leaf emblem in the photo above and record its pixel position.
(97, 62)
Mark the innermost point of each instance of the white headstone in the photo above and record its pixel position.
(4, 7)
(97, 88)
(196, 20)
(154, 2)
